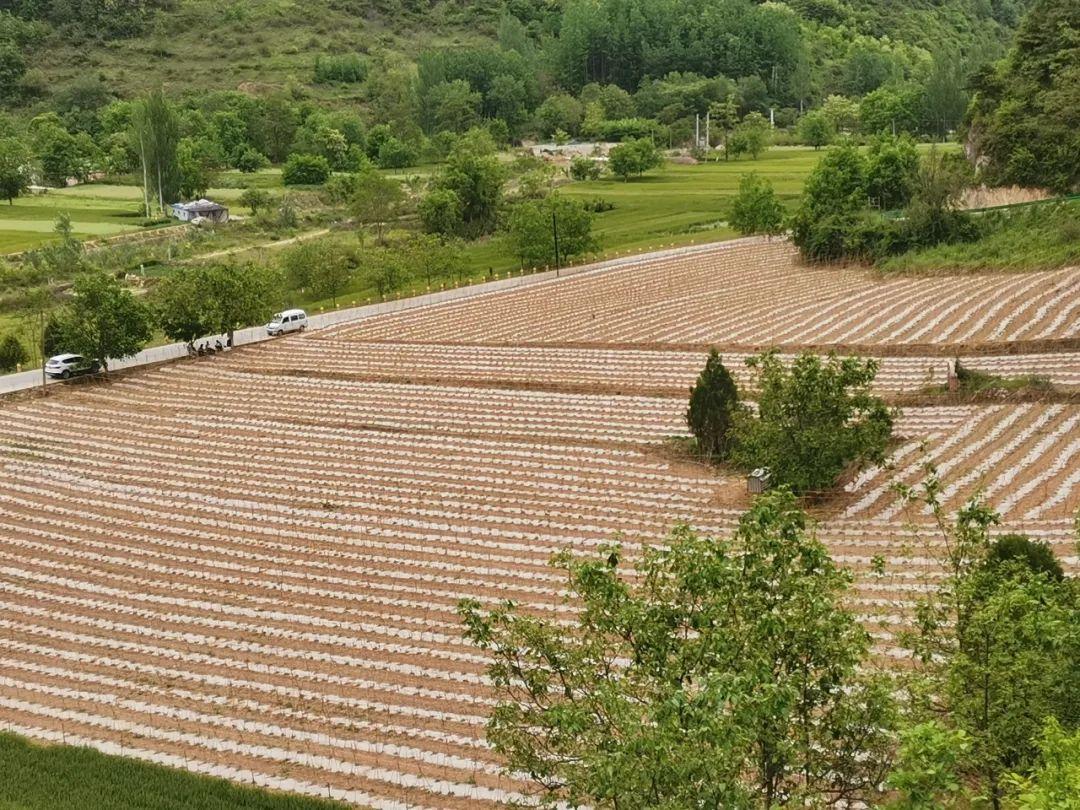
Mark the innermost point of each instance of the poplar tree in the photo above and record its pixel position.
(155, 136)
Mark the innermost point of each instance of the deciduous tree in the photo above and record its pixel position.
(815, 420)
(756, 208)
(722, 673)
(104, 320)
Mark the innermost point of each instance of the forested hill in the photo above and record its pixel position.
(803, 50)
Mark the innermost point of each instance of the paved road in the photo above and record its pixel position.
(25, 380)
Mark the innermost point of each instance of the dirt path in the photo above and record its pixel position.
(302, 237)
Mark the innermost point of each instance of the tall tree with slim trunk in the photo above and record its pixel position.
(155, 136)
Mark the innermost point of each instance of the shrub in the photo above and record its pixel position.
(255, 200)
(305, 170)
(395, 154)
(251, 160)
(583, 168)
(440, 212)
(714, 403)
(814, 421)
(756, 208)
(12, 353)
(634, 158)
(1019, 548)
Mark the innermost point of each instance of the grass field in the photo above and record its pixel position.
(57, 777)
(95, 211)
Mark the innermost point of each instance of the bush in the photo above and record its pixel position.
(251, 160)
(599, 205)
(714, 404)
(583, 168)
(305, 170)
(395, 154)
(756, 208)
(440, 212)
(815, 420)
(12, 353)
(255, 200)
(1019, 548)
(634, 158)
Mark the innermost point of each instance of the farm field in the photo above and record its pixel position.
(249, 564)
(754, 294)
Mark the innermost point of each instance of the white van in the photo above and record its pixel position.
(291, 320)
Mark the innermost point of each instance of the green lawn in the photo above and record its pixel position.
(57, 777)
(681, 203)
(95, 211)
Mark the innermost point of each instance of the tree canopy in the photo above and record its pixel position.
(722, 672)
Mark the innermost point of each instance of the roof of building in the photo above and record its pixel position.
(200, 206)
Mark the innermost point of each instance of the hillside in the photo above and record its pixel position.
(260, 45)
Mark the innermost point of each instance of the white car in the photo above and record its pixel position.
(291, 320)
(63, 366)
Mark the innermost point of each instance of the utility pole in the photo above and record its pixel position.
(555, 234)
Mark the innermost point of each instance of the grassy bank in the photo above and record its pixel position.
(1037, 237)
(58, 777)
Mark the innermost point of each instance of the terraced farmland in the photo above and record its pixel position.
(248, 565)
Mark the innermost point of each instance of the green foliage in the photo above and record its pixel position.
(997, 647)
(1016, 662)
(927, 774)
(1025, 116)
(473, 173)
(395, 154)
(1034, 555)
(714, 405)
(12, 68)
(104, 320)
(756, 208)
(533, 224)
(305, 170)
(892, 165)
(348, 68)
(196, 169)
(893, 109)
(816, 129)
(255, 200)
(750, 137)
(583, 168)
(434, 259)
(560, 112)
(385, 268)
(634, 158)
(215, 299)
(834, 195)
(376, 200)
(815, 420)
(155, 136)
(1054, 783)
(14, 168)
(319, 268)
(251, 160)
(452, 107)
(440, 212)
(1037, 237)
(739, 682)
(12, 353)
